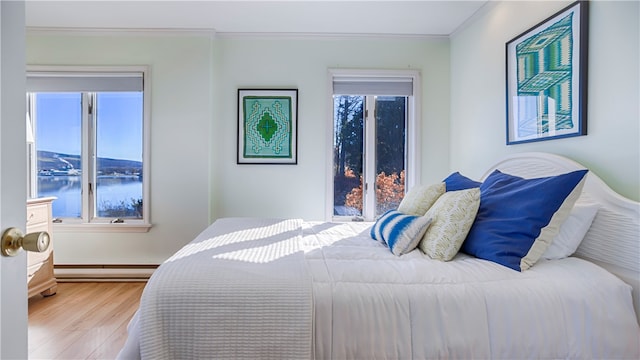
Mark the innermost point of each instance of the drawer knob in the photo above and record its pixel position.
(13, 239)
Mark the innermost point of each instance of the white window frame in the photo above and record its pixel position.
(412, 153)
(86, 223)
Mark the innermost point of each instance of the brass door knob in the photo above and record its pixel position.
(13, 239)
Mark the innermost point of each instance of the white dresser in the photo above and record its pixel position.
(40, 265)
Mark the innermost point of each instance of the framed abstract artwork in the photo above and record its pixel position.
(267, 126)
(546, 78)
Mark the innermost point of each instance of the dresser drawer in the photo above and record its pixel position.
(37, 214)
(40, 277)
(33, 269)
(35, 258)
(38, 227)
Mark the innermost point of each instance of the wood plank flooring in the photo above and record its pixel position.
(83, 320)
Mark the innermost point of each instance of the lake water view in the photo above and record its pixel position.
(116, 196)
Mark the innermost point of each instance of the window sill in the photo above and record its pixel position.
(338, 218)
(119, 228)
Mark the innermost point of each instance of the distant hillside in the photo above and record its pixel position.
(48, 160)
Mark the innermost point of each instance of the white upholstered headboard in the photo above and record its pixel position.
(613, 241)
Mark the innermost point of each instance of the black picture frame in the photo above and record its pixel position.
(546, 78)
(267, 126)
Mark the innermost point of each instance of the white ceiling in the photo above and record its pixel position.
(241, 16)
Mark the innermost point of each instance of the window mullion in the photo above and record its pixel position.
(407, 144)
(369, 168)
(87, 163)
(32, 158)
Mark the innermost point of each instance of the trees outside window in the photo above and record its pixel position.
(357, 170)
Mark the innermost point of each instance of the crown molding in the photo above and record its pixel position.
(329, 36)
(483, 10)
(212, 33)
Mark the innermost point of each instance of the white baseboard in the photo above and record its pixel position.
(102, 273)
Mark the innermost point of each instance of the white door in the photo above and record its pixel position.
(13, 270)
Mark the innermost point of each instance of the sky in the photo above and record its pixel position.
(119, 118)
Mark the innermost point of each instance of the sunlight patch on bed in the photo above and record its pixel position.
(263, 254)
(259, 244)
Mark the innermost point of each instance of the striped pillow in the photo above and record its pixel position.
(400, 232)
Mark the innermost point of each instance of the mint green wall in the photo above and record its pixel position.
(180, 68)
(302, 63)
(194, 82)
(611, 148)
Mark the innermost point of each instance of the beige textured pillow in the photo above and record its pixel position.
(549, 232)
(453, 214)
(420, 198)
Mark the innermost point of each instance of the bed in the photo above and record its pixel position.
(249, 288)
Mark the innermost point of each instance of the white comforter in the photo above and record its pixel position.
(240, 290)
(370, 304)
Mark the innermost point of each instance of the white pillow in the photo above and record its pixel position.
(572, 231)
(420, 198)
(452, 214)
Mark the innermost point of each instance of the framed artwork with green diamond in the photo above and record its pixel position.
(547, 78)
(267, 126)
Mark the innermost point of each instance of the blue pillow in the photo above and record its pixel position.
(400, 232)
(518, 218)
(457, 181)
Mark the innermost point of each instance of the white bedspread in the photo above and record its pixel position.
(370, 304)
(240, 290)
(362, 302)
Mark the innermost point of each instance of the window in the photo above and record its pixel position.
(89, 145)
(374, 147)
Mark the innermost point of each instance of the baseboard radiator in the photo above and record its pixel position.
(82, 273)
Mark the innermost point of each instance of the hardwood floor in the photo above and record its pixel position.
(83, 320)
